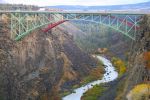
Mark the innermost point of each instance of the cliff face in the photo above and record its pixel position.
(40, 65)
(138, 69)
(91, 36)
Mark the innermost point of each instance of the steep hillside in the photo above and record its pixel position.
(139, 67)
(41, 65)
(93, 36)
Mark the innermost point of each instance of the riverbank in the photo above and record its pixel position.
(96, 73)
(110, 75)
(112, 89)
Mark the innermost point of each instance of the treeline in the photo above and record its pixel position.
(94, 38)
(7, 7)
(98, 36)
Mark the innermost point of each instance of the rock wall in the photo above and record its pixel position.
(91, 36)
(138, 72)
(40, 65)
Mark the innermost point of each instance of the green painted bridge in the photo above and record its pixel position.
(24, 22)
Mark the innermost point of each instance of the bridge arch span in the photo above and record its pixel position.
(124, 23)
(22, 23)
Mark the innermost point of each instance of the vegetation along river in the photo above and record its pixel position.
(110, 75)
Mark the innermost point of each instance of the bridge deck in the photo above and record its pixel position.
(23, 22)
(81, 12)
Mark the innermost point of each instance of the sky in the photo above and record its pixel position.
(72, 2)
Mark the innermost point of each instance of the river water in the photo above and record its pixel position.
(110, 75)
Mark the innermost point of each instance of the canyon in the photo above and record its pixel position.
(44, 65)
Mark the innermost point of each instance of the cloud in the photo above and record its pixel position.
(74, 2)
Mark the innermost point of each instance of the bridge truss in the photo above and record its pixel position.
(22, 23)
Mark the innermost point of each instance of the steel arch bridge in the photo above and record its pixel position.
(23, 22)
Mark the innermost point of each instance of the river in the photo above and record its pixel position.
(110, 75)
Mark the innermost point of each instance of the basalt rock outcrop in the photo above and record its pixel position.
(41, 65)
(138, 70)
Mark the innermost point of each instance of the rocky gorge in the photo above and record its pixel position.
(41, 65)
(139, 68)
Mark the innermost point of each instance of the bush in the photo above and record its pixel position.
(140, 92)
(119, 65)
(93, 93)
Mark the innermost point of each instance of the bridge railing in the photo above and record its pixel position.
(22, 23)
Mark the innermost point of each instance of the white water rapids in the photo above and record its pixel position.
(110, 75)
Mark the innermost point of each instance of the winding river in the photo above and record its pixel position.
(109, 75)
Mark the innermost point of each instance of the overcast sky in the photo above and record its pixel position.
(73, 2)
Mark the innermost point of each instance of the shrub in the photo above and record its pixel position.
(140, 92)
(93, 93)
(119, 65)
